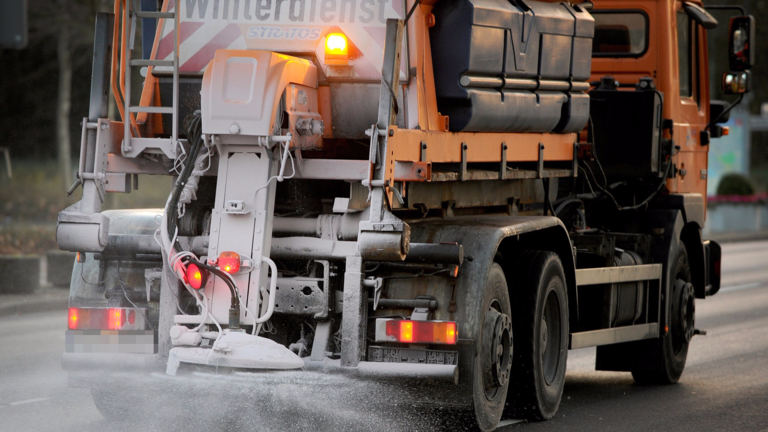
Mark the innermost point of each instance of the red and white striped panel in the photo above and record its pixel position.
(199, 41)
(278, 25)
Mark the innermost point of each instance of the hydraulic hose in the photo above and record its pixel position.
(193, 125)
(234, 310)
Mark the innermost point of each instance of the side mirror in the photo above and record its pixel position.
(741, 37)
(737, 82)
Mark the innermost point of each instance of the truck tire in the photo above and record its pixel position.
(672, 349)
(492, 364)
(540, 323)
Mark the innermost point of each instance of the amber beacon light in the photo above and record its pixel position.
(336, 49)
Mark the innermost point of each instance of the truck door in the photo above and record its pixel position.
(692, 105)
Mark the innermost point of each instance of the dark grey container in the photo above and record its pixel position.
(509, 40)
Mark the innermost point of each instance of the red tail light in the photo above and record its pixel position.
(196, 277)
(104, 319)
(73, 319)
(407, 331)
(229, 262)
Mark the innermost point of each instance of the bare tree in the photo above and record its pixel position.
(72, 20)
(64, 102)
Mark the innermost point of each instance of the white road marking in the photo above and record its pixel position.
(741, 287)
(27, 401)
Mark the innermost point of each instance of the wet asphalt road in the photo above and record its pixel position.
(724, 386)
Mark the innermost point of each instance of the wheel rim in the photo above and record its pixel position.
(683, 320)
(497, 350)
(550, 337)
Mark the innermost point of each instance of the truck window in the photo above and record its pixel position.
(620, 34)
(684, 54)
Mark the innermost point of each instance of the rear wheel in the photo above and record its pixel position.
(673, 346)
(493, 363)
(540, 323)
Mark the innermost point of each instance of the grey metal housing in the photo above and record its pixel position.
(547, 43)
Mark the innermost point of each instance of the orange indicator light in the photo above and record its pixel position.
(115, 319)
(450, 333)
(229, 262)
(406, 331)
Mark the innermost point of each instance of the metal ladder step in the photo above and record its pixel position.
(613, 335)
(151, 109)
(147, 62)
(606, 275)
(133, 146)
(145, 14)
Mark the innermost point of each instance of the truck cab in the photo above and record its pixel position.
(660, 40)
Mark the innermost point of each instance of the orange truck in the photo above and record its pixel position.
(448, 193)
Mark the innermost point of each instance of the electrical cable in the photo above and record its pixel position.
(82, 276)
(285, 156)
(604, 188)
(164, 255)
(218, 326)
(193, 125)
(417, 275)
(636, 206)
(204, 312)
(223, 276)
(594, 152)
(122, 287)
(594, 194)
(410, 12)
(121, 284)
